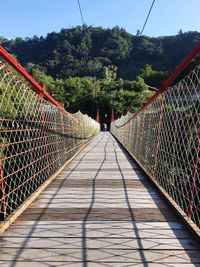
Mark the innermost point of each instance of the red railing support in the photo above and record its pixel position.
(112, 116)
(191, 203)
(158, 135)
(98, 116)
(44, 131)
(3, 198)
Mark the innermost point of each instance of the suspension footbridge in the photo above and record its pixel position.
(74, 196)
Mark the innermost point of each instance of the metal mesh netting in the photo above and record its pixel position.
(164, 137)
(36, 138)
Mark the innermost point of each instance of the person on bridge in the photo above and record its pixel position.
(104, 127)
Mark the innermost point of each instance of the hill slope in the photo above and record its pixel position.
(86, 51)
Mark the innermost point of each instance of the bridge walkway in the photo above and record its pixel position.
(100, 211)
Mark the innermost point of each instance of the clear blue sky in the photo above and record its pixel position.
(22, 18)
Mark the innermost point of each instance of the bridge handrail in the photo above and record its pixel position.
(164, 137)
(37, 135)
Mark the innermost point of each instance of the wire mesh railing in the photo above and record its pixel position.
(164, 138)
(37, 136)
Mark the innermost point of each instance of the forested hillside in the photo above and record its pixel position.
(88, 66)
(85, 51)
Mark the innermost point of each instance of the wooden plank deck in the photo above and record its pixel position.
(100, 211)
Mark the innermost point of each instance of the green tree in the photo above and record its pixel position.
(152, 77)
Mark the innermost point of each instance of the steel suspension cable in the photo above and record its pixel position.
(147, 17)
(81, 13)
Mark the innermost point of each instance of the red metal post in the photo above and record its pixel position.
(191, 203)
(129, 133)
(158, 134)
(112, 116)
(3, 191)
(98, 116)
(142, 130)
(44, 131)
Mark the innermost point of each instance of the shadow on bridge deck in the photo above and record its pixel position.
(100, 211)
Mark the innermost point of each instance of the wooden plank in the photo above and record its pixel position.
(101, 255)
(100, 183)
(102, 214)
(91, 264)
(75, 232)
(100, 243)
(94, 264)
(99, 224)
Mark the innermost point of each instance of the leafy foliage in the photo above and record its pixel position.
(85, 67)
(86, 51)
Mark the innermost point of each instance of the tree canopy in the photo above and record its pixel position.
(87, 51)
(89, 67)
